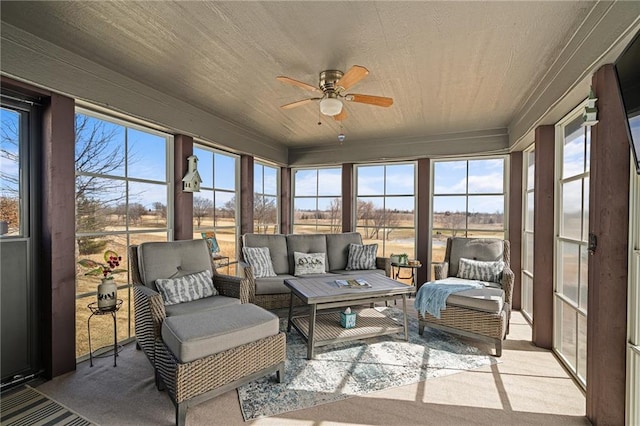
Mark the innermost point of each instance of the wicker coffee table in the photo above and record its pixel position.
(320, 294)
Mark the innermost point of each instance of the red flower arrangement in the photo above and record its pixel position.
(107, 269)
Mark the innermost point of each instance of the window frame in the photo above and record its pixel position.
(559, 298)
(433, 195)
(127, 232)
(384, 196)
(527, 274)
(294, 172)
(236, 194)
(265, 164)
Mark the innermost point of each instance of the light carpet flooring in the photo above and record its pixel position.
(528, 387)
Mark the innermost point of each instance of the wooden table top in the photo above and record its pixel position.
(324, 289)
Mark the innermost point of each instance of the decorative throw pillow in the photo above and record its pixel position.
(186, 288)
(308, 263)
(362, 256)
(260, 260)
(479, 270)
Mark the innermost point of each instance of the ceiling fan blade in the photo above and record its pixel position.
(371, 100)
(297, 83)
(343, 114)
(298, 103)
(351, 77)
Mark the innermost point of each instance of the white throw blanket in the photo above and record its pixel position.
(432, 296)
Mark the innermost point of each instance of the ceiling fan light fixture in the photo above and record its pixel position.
(330, 105)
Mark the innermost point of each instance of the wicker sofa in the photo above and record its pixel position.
(203, 347)
(271, 293)
(478, 313)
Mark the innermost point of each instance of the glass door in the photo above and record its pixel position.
(19, 300)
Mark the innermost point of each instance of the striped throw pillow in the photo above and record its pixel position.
(186, 288)
(362, 256)
(260, 260)
(479, 270)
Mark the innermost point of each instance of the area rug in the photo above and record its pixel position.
(348, 369)
(27, 406)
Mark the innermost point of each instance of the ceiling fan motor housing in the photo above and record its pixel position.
(328, 80)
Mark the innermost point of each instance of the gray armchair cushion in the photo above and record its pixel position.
(197, 335)
(205, 304)
(277, 249)
(305, 243)
(485, 249)
(480, 299)
(172, 260)
(338, 249)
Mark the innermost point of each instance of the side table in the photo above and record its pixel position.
(397, 267)
(220, 261)
(112, 310)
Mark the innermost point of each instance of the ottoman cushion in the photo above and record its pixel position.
(197, 335)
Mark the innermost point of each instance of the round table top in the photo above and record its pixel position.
(406, 265)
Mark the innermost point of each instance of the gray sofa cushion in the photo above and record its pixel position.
(338, 249)
(197, 335)
(171, 260)
(359, 272)
(486, 249)
(305, 243)
(273, 285)
(207, 303)
(277, 249)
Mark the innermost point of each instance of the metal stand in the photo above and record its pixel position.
(398, 266)
(93, 307)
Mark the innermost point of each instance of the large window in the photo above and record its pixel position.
(570, 293)
(469, 199)
(385, 207)
(527, 234)
(265, 199)
(317, 201)
(215, 206)
(122, 198)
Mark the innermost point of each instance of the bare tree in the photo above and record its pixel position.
(265, 212)
(9, 153)
(96, 154)
(9, 182)
(454, 221)
(136, 211)
(202, 207)
(335, 215)
(161, 209)
(364, 213)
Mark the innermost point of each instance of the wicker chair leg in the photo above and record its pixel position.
(181, 414)
(420, 328)
(499, 349)
(280, 373)
(138, 348)
(159, 383)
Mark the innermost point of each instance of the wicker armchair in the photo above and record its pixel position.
(491, 327)
(190, 383)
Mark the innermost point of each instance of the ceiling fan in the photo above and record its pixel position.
(333, 84)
